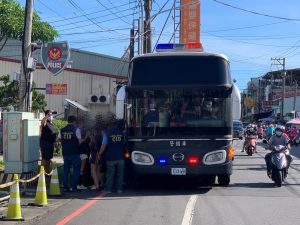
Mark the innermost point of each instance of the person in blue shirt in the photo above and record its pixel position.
(114, 157)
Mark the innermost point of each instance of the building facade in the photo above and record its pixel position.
(264, 94)
(91, 74)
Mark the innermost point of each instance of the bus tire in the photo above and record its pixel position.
(209, 179)
(224, 179)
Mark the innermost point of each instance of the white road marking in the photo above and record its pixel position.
(189, 211)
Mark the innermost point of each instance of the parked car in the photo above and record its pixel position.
(238, 130)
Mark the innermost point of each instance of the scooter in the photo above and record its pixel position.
(279, 164)
(250, 147)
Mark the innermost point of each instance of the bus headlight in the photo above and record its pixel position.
(215, 157)
(142, 158)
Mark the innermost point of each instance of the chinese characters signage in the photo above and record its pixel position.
(190, 21)
(56, 89)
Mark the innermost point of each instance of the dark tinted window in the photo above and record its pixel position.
(179, 70)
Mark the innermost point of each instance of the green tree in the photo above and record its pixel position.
(12, 24)
(38, 100)
(8, 92)
(9, 95)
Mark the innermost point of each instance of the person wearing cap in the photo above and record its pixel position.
(47, 139)
(71, 140)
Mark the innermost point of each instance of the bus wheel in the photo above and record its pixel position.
(209, 179)
(224, 179)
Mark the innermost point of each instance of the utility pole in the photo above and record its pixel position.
(147, 26)
(295, 96)
(131, 48)
(281, 62)
(26, 79)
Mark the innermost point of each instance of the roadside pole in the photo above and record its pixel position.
(26, 77)
(147, 27)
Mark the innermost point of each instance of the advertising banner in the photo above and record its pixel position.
(56, 89)
(190, 21)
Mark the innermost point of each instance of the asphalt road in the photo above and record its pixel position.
(251, 198)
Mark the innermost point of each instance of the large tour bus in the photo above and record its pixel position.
(178, 112)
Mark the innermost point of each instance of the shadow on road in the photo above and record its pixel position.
(253, 185)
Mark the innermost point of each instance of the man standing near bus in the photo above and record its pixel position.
(70, 140)
(114, 156)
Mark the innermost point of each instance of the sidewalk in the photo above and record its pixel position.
(30, 213)
(28, 196)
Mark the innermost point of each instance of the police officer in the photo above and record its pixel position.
(70, 140)
(47, 139)
(114, 156)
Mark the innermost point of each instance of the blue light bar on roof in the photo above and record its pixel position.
(162, 47)
(178, 47)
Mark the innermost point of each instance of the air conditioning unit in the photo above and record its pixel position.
(99, 99)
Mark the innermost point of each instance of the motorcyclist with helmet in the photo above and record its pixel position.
(250, 132)
(278, 138)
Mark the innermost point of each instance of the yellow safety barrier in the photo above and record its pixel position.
(7, 184)
(14, 205)
(54, 183)
(41, 192)
(31, 179)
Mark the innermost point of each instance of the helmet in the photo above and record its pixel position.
(279, 127)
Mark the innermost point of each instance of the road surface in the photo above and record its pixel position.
(251, 198)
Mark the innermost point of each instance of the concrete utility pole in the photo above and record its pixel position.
(281, 62)
(26, 75)
(295, 95)
(147, 26)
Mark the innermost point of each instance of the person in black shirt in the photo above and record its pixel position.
(47, 139)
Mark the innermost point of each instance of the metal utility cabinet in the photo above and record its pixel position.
(21, 142)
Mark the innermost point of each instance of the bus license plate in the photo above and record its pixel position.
(178, 171)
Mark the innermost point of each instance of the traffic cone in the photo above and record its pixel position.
(14, 204)
(41, 193)
(54, 183)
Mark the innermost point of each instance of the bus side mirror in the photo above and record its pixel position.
(120, 102)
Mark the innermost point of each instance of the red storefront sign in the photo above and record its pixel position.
(56, 89)
(190, 21)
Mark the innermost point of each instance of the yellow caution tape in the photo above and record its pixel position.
(7, 184)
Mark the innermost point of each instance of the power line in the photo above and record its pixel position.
(245, 42)
(114, 6)
(256, 13)
(88, 14)
(97, 31)
(248, 27)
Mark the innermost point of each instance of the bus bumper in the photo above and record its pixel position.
(165, 170)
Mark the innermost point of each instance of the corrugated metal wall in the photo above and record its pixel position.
(91, 73)
(81, 59)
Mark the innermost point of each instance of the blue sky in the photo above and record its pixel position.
(248, 39)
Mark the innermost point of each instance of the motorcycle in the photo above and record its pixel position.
(250, 147)
(279, 164)
(296, 140)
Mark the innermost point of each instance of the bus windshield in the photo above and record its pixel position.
(179, 112)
